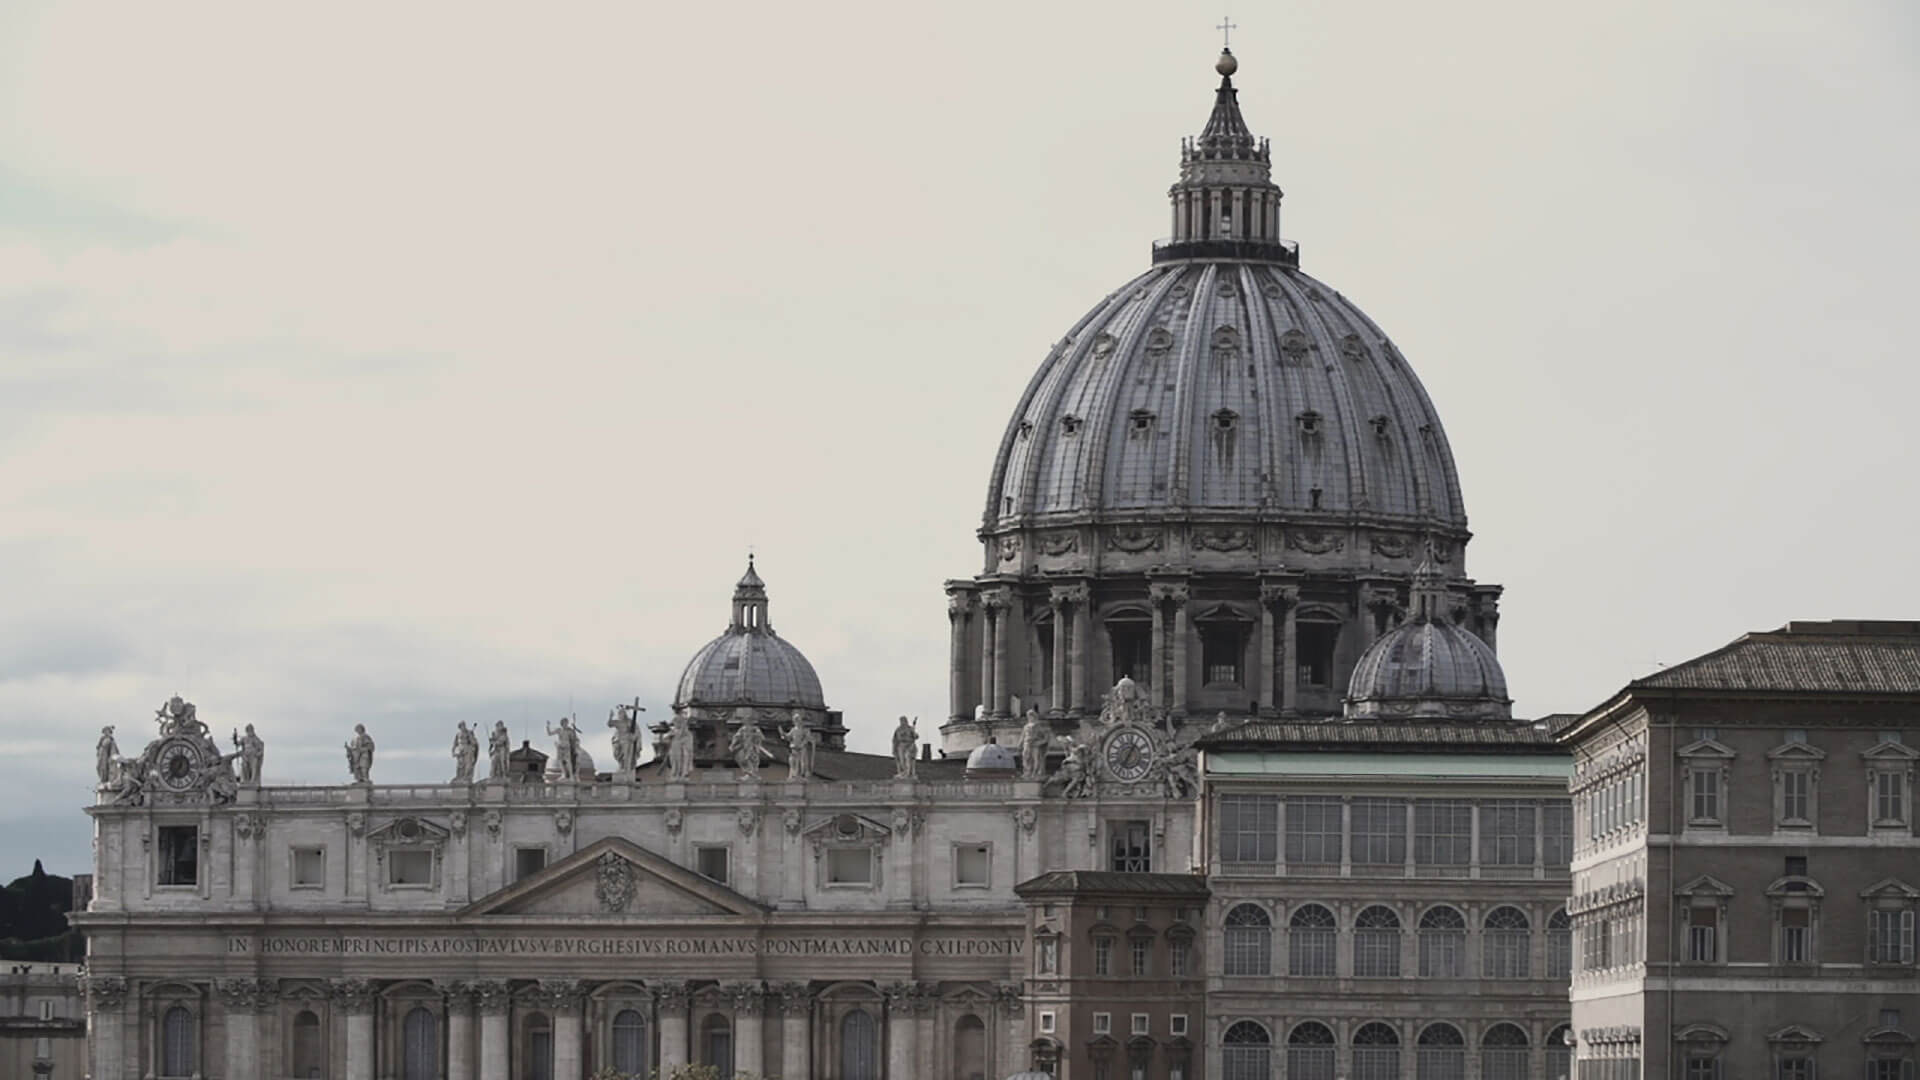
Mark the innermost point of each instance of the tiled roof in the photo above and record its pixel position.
(1267, 734)
(1849, 657)
(1105, 881)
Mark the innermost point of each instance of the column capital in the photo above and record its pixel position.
(1012, 1001)
(106, 993)
(493, 996)
(795, 998)
(1275, 594)
(747, 998)
(1175, 591)
(997, 599)
(1071, 595)
(563, 995)
(354, 996)
(959, 604)
(248, 995)
(460, 995)
(675, 996)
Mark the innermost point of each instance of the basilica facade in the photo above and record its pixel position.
(1229, 785)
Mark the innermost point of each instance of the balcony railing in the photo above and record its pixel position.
(1285, 252)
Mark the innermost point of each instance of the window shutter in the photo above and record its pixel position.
(1906, 936)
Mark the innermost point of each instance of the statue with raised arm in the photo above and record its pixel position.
(499, 745)
(800, 744)
(905, 742)
(1035, 738)
(747, 745)
(360, 755)
(1078, 770)
(106, 755)
(253, 754)
(1181, 773)
(680, 748)
(625, 722)
(566, 747)
(466, 753)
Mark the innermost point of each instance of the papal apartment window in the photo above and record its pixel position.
(1796, 797)
(1046, 1022)
(1140, 955)
(1890, 935)
(971, 865)
(1376, 943)
(1180, 958)
(309, 867)
(1313, 829)
(528, 861)
(1556, 833)
(1103, 956)
(1177, 1025)
(179, 855)
(1889, 797)
(850, 866)
(712, 862)
(1703, 934)
(1794, 1067)
(1796, 935)
(1102, 1023)
(1559, 945)
(410, 867)
(1132, 847)
(1142, 1024)
(1704, 785)
(1702, 1067)
(1249, 830)
(1249, 940)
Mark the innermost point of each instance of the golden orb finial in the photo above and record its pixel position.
(1226, 65)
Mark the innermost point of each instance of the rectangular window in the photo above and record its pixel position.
(1313, 829)
(1132, 651)
(1796, 790)
(850, 866)
(1179, 958)
(1890, 936)
(712, 862)
(1889, 798)
(1316, 642)
(1249, 830)
(1379, 832)
(1890, 1069)
(1140, 951)
(1706, 794)
(1702, 1067)
(1703, 935)
(1796, 931)
(1797, 735)
(528, 861)
(410, 867)
(46, 1010)
(1132, 847)
(1442, 832)
(1047, 958)
(1102, 1023)
(1103, 956)
(1177, 1024)
(1795, 1068)
(971, 865)
(1142, 1024)
(1889, 1018)
(179, 855)
(1046, 1021)
(1221, 646)
(309, 868)
(1556, 833)
(1506, 833)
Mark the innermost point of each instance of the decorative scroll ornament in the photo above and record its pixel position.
(613, 883)
(1353, 348)
(1064, 542)
(1159, 342)
(1012, 1004)
(458, 822)
(245, 825)
(1009, 548)
(1294, 346)
(795, 999)
(1133, 538)
(1392, 545)
(492, 818)
(1025, 818)
(748, 820)
(1103, 346)
(1223, 539)
(106, 993)
(357, 823)
(562, 995)
(1316, 541)
(563, 821)
(675, 818)
(790, 821)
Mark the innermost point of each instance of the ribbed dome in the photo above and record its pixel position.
(1215, 385)
(992, 757)
(749, 665)
(1428, 668)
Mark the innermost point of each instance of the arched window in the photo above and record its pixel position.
(1246, 1052)
(969, 1048)
(1310, 1052)
(716, 1045)
(1441, 1053)
(537, 1053)
(859, 1046)
(1503, 1053)
(1559, 1054)
(1249, 941)
(1559, 945)
(1376, 1053)
(1443, 944)
(1312, 939)
(1505, 944)
(420, 1045)
(1376, 943)
(308, 1062)
(176, 1042)
(630, 1042)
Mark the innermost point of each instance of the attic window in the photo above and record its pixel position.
(1309, 422)
(1070, 424)
(1140, 421)
(1380, 425)
(1313, 494)
(1026, 428)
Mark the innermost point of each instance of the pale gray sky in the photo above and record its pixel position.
(399, 363)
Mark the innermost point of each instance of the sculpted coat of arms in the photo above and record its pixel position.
(614, 883)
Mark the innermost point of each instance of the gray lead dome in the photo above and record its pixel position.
(749, 666)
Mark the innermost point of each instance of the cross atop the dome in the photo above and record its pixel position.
(1227, 27)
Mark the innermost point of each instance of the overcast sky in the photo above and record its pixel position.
(402, 363)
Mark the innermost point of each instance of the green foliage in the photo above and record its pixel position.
(33, 919)
(678, 1072)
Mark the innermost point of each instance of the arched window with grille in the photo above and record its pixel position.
(1503, 1054)
(1249, 940)
(1312, 939)
(1443, 943)
(537, 1053)
(1376, 943)
(859, 1046)
(176, 1042)
(419, 1045)
(1559, 945)
(1504, 944)
(1310, 1051)
(629, 1042)
(716, 1045)
(1440, 1053)
(309, 1062)
(1376, 1052)
(1246, 1052)
(1559, 1054)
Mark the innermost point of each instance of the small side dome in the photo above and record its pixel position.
(1428, 668)
(991, 760)
(749, 666)
(583, 767)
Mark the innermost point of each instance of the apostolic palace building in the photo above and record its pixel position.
(1229, 788)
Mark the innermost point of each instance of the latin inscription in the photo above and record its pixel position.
(624, 946)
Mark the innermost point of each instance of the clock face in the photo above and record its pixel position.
(177, 763)
(1129, 754)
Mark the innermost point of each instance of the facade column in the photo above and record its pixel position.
(1157, 681)
(901, 1028)
(355, 998)
(675, 1002)
(796, 1013)
(1057, 693)
(1289, 652)
(244, 1000)
(749, 1036)
(460, 1031)
(959, 608)
(1080, 597)
(493, 1000)
(988, 624)
(106, 1027)
(1269, 667)
(1013, 1055)
(564, 998)
(1182, 629)
(925, 1003)
(1002, 603)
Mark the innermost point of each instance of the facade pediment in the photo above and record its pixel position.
(1891, 751)
(615, 877)
(1892, 888)
(1704, 885)
(1707, 748)
(846, 829)
(1796, 751)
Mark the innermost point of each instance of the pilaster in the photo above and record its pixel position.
(460, 1001)
(796, 1011)
(493, 1000)
(355, 998)
(106, 1026)
(902, 1027)
(674, 1004)
(749, 1034)
(563, 997)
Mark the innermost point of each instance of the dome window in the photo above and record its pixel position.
(1225, 419)
(1294, 344)
(1379, 425)
(1070, 425)
(1309, 422)
(1313, 498)
(1140, 422)
(1026, 428)
(1159, 342)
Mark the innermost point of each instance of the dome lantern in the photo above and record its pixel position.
(1225, 203)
